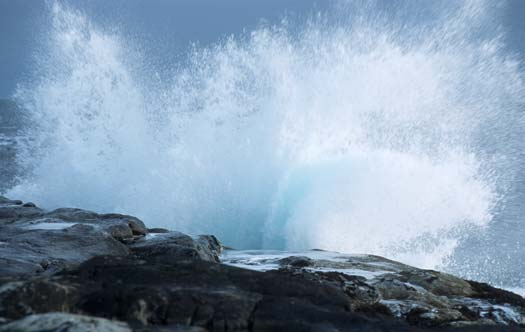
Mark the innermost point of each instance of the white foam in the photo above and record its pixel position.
(266, 260)
(150, 236)
(351, 136)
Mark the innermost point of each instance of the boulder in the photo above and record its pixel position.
(15, 210)
(27, 251)
(296, 261)
(19, 297)
(121, 227)
(36, 241)
(176, 246)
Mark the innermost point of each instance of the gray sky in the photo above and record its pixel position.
(180, 22)
(170, 23)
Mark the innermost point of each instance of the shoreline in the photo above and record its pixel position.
(90, 271)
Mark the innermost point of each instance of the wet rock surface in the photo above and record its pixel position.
(34, 241)
(64, 323)
(76, 270)
(375, 285)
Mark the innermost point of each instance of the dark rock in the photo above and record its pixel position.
(120, 226)
(296, 261)
(40, 295)
(158, 230)
(57, 267)
(175, 246)
(7, 201)
(11, 211)
(35, 241)
(63, 322)
(26, 251)
(380, 287)
(168, 328)
(362, 297)
(495, 295)
(210, 247)
(200, 293)
(436, 282)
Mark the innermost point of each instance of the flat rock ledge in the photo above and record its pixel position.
(75, 270)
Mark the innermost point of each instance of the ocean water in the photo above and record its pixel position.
(11, 123)
(359, 130)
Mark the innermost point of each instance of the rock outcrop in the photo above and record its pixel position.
(76, 270)
(64, 323)
(423, 298)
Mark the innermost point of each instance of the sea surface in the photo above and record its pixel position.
(357, 130)
(11, 125)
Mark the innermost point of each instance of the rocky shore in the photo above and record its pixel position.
(76, 270)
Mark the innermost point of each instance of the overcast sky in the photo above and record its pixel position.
(178, 22)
